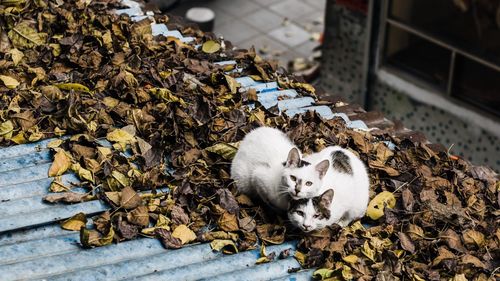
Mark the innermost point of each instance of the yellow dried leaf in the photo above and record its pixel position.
(58, 186)
(6, 129)
(82, 172)
(119, 135)
(351, 259)
(19, 138)
(347, 273)
(56, 49)
(210, 47)
(300, 257)
(121, 178)
(92, 238)
(9, 82)
(73, 86)
(259, 116)
(110, 102)
(167, 95)
(62, 162)
(114, 196)
(16, 55)
(59, 132)
(162, 222)
(459, 277)
(378, 203)
(75, 223)
(227, 246)
(323, 273)
(185, 234)
(367, 251)
(233, 85)
(25, 36)
(226, 150)
(55, 143)
(262, 260)
(105, 151)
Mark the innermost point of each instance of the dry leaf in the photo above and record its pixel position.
(378, 203)
(129, 199)
(224, 245)
(228, 222)
(210, 47)
(139, 216)
(226, 150)
(75, 223)
(9, 82)
(62, 162)
(183, 233)
(68, 197)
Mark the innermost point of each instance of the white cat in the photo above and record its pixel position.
(264, 156)
(347, 178)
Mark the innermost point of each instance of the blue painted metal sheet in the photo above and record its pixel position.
(33, 246)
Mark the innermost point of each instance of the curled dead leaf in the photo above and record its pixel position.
(224, 245)
(379, 203)
(62, 162)
(75, 223)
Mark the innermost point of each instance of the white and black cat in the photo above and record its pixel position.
(311, 213)
(345, 186)
(265, 155)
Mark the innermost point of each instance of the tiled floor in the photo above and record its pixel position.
(283, 29)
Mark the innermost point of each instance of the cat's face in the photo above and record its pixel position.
(302, 179)
(312, 213)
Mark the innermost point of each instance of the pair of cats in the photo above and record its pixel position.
(317, 190)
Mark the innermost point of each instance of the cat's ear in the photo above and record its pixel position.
(322, 168)
(293, 158)
(326, 198)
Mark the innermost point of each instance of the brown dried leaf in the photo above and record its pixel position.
(178, 215)
(129, 198)
(452, 240)
(473, 237)
(139, 216)
(228, 222)
(166, 238)
(68, 197)
(247, 224)
(274, 234)
(406, 242)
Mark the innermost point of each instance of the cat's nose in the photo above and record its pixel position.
(306, 227)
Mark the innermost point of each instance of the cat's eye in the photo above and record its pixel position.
(309, 183)
(293, 178)
(316, 216)
(300, 213)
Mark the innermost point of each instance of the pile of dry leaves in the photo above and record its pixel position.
(154, 124)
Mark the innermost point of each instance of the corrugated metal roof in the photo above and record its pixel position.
(33, 246)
